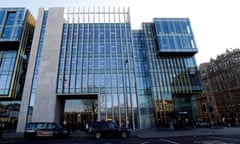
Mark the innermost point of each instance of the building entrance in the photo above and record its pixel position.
(78, 112)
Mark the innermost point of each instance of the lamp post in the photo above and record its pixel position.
(126, 98)
(206, 105)
(10, 113)
(128, 85)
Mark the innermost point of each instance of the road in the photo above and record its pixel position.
(131, 140)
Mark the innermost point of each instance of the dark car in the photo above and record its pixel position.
(110, 129)
(45, 129)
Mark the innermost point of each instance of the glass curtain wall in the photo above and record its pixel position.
(174, 79)
(11, 23)
(7, 63)
(146, 105)
(16, 30)
(97, 58)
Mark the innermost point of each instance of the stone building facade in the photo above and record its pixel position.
(221, 87)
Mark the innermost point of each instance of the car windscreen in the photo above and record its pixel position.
(31, 125)
(36, 125)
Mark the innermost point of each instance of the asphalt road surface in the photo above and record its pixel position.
(131, 140)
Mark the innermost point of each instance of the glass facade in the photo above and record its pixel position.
(173, 73)
(143, 80)
(14, 49)
(124, 68)
(98, 58)
(174, 36)
(7, 63)
(16, 33)
(137, 78)
(11, 21)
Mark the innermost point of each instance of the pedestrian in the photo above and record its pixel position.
(171, 126)
(2, 125)
(228, 124)
(87, 128)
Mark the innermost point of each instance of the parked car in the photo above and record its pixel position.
(110, 129)
(45, 129)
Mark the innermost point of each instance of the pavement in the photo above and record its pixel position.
(155, 133)
(193, 132)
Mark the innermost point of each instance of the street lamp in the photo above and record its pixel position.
(126, 99)
(128, 85)
(207, 109)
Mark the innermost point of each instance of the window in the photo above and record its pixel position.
(8, 25)
(10, 18)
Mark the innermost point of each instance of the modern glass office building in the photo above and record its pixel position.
(89, 64)
(16, 33)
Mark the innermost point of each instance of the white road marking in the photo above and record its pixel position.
(226, 139)
(172, 142)
(144, 142)
(211, 142)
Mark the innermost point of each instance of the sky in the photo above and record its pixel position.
(215, 23)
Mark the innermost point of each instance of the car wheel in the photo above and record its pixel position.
(124, 135)
(98, 135)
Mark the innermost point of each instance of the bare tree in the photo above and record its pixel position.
(91, 105)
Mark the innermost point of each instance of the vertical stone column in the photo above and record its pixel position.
(46, 107)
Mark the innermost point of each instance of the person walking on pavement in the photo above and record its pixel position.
(87, 128)
(171, 126)
(2, 125)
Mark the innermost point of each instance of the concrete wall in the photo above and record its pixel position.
(46, 108)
